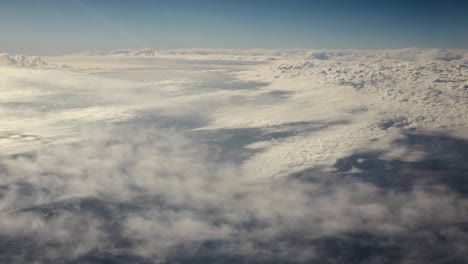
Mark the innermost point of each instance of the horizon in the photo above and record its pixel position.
(107, 51)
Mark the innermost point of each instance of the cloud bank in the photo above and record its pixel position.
(22, 61)
(258, 156)
(157, 194)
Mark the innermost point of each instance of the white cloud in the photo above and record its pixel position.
(22, 61)
(119, 162)
(172, 192)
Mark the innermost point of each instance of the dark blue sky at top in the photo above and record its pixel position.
(61, 26)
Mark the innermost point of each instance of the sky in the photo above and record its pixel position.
(64, 26)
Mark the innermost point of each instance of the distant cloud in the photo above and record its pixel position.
(22, 61)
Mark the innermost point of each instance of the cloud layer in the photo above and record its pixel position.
(157, 194)
(256, 156)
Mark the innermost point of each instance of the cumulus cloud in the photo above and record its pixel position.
(431, 54)
(183, 170)
(158, 194)
(22, 61)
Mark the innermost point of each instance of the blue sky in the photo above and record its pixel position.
(62, 26)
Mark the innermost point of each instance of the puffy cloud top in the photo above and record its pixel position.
(22, 61)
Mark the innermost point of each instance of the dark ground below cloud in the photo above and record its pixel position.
(445, 164)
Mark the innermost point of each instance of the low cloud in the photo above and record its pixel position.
(160, 195)
(120, 175)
